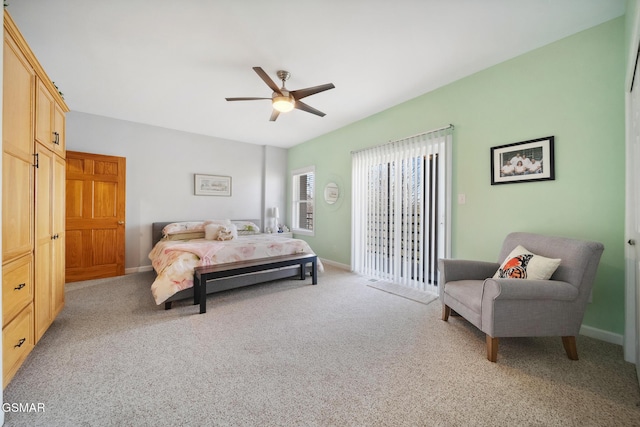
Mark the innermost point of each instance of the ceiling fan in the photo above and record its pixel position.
(284, 100)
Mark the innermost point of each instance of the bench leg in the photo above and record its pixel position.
(303, 270)
(203, 297)
(200, 293)
(314, 272)
(196, 290)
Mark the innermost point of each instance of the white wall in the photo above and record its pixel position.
(276, 173)
(160, 167)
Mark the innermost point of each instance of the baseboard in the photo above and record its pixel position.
(336, 264)
(138, 269)
(599, 334)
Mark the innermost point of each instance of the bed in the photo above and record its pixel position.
(175, 256)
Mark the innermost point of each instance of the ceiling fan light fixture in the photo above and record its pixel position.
(283, 100)
(284, 104)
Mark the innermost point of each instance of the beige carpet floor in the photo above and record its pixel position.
(403, 291)
(291, 354)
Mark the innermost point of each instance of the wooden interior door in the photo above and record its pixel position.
(95, 216)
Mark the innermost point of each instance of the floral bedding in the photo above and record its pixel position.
(174, 260)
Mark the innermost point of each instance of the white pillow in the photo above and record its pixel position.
(523, 264)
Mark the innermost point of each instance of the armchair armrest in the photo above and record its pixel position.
(502, 289)
(459, 269)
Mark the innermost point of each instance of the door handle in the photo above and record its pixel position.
(631, 242)
(120, 222)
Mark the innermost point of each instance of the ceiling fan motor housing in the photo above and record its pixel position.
(283, 75)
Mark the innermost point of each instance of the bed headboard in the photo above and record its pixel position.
(156, 228)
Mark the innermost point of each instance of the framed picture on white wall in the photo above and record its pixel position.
(212, 185)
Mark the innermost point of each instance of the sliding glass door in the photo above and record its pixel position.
(400, 199)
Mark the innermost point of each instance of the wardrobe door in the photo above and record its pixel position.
(17, 153)
(44, 241)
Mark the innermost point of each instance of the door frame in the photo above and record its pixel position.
(632, 306)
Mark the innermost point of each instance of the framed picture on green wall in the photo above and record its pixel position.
(523, 161)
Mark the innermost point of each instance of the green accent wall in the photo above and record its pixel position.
(572, 89)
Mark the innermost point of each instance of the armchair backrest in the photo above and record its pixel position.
(580, 258)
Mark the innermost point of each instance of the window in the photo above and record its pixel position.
(302, 208)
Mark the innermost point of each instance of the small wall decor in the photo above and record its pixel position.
(212, 185)
(331, 193)
(523, 161)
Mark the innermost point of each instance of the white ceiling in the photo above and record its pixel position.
(171, 63)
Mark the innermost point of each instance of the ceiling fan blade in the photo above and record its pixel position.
(274, 115)
(244, 99)
(265, 77)
(304, 107)
(302, 93)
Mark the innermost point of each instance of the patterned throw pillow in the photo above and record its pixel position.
(522, 264)
(181, 227)
(186, 235)
(246, 227)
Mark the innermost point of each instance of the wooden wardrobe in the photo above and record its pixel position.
(33, 201)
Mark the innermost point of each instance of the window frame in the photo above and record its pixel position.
(296, 202)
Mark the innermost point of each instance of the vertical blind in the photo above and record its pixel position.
(401, 208)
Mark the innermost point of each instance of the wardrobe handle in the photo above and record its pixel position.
(20, 286)
(36, 160)
(56, 138)
(22, 341)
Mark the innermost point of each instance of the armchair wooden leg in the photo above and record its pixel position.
(570, 347)
(492, 348)
(446, 311)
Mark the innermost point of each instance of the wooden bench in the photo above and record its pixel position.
(201, 275)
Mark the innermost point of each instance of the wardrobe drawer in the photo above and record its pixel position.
(17, 287)
(17, 342)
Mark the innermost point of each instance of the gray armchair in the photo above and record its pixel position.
(505, 307)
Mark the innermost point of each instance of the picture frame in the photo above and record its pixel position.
(524, 161)
(212, 185)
